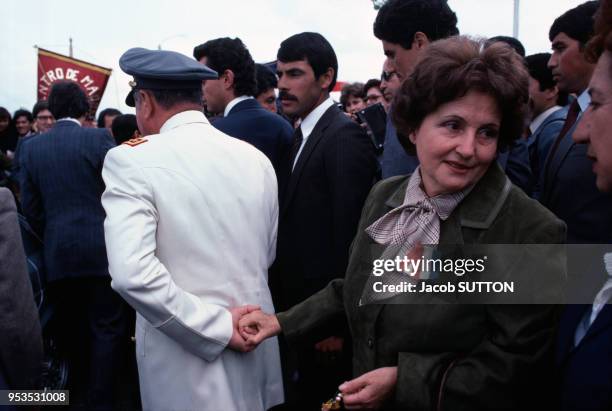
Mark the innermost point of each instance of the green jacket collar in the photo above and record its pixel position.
(480, 207)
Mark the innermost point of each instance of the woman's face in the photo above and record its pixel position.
(594, 127)
(456, 143)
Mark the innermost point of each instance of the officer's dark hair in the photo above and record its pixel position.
(313, 48)
(22, 112)
(230, 54)
(266, 79)
(39, 106)
(351, 89)
(398, 21)
(170, 98)
(371, 83)
(576, 23)
(511, 41)
(123, 127)
(537, 65)
(67, 99)
(107, 112)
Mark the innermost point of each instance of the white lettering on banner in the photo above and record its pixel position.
(58, 73)
(71, 74)
(51, 76)
(86, 81)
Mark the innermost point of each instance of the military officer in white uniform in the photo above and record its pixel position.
(190, 232)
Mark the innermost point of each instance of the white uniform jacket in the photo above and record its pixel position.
(190, 231)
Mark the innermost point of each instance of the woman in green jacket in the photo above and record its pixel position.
(461, 105)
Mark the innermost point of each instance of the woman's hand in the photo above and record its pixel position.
(256, 326)
(370, 390)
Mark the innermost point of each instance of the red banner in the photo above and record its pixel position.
(53, 67)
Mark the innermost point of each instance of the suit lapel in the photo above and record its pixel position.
(311, 143)
(601, 323)
(555, 162)
(571, 317)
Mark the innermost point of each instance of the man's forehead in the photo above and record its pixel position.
(562, 38)
(288, 65)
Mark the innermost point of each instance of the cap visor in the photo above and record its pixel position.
(129, 100)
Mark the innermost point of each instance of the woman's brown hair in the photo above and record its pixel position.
(451, 68)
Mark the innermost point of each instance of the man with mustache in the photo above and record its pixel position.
(323, 183)
(568, 182)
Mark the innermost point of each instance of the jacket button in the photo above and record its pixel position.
(370, 343)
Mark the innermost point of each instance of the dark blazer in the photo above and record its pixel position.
(394, 160)
(585, 369)
(61, 187)
(515, 162)
(20, 335)
(569, 191)
(539, 143)
(320, 204)
(451, 356)
(267, 131)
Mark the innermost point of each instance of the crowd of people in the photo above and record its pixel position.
(230, 227)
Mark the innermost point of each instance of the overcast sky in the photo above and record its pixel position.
(102, 31)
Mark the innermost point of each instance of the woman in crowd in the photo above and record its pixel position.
(461, 105)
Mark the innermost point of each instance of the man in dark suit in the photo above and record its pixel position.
(20, 335)
(546, 113)
(405, 28)
(568, 181)
(323, 183)
(231, 96)
(61, 185)
(584, 350)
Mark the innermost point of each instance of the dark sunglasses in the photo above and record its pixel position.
(386, 75)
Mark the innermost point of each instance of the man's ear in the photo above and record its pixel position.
(228, 79)
(326, 78)
(147, 104)
(412, 137)
(420, 40)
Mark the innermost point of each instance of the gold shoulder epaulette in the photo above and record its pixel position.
(135, 141)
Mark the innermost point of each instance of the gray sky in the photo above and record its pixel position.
(102, 31)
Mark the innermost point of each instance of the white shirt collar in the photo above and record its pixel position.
(584, 99)
(182, 118)
(74, 120)
(232, 103)
(537, 122)
(310, 121)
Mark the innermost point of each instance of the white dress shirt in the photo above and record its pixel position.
(309, 122)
